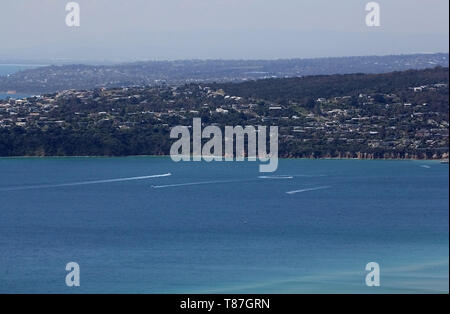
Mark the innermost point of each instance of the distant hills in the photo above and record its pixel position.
(398, 115)
(308, 89)
(83, 77)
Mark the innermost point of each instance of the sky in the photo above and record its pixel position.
(131, 30)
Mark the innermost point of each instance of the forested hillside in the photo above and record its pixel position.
(394, 115)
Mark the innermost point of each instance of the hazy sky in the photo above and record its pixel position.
(124, 30)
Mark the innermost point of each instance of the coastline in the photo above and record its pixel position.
(168, 156)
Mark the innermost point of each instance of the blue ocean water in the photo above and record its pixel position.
(222, 227)
(14, 96)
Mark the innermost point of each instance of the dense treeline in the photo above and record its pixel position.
(84, 142)
(307, 89)
(110, 142)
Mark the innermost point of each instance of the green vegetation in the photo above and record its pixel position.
(393, 115)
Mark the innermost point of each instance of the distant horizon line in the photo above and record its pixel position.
(68, 61)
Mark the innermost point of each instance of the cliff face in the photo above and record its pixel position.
(372, 156)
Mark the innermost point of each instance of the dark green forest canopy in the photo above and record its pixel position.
(312, 87)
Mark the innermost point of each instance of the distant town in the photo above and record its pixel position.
(153, 73)
(396, 115)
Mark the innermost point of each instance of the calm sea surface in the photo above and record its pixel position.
(221, 228)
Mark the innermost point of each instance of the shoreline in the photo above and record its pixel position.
(168, 156)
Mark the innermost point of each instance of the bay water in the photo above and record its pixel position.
(149, 225)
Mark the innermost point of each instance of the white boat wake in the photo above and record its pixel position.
(197, 183)
(273, 177)
(280, 177)
(308, 190)
(46, 186)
